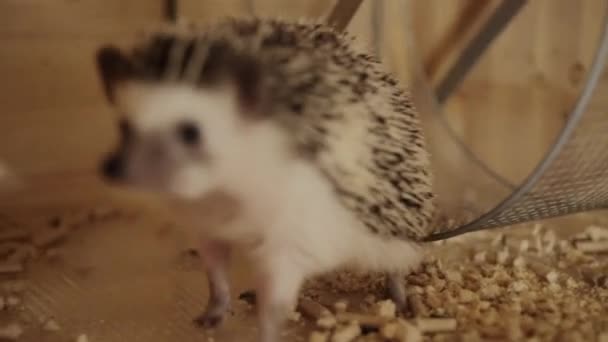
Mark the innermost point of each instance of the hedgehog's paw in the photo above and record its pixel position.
(213, 316)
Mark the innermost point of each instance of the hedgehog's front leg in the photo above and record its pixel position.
(278, 285)
(215, 256)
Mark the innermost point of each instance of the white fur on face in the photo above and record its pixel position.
(192, 182)
(158, 108)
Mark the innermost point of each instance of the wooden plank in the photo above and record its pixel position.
(312, 9)
(431, 20)
(43, 74)
(64, 138)
(468, 55)
(85, 18)
(560, 21)
(360, 27)
(471, 19)
(210, 10)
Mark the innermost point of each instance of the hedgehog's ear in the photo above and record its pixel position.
(113, 67)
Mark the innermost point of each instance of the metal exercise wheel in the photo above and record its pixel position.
(573, 176)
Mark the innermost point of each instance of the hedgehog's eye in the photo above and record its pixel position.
(188, 133)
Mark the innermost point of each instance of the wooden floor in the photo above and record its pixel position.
(131, 278)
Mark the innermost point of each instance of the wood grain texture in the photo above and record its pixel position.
(525, 84)
(75, 18)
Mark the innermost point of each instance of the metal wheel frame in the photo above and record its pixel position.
(574, 118)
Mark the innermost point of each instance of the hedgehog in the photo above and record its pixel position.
(321, 148)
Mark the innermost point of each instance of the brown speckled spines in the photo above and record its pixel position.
(345, 114)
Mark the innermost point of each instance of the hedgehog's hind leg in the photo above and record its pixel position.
(396, 291)
(215, 256)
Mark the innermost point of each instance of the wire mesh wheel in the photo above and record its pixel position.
(573, 176)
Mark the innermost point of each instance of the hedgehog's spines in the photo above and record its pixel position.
(176, 58)
(343, 112)
(194, 67)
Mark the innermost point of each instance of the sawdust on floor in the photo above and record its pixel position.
(101, 273)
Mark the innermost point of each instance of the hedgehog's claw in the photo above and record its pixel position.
(212, 317)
